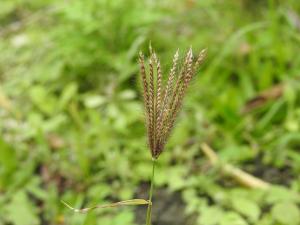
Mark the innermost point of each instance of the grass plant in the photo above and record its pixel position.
(163, 101)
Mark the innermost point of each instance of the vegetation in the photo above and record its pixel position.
(71, 116)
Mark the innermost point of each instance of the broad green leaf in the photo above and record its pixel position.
(232, 218)
(246, 207)
(267, 219)
(279, 194)
(286, 213)
(67, 94)
(175, 176)
(194, 204)
(8, 163)
(211, 216)
(20, 211)
(41, 97)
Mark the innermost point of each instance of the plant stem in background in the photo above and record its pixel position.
(149, 210)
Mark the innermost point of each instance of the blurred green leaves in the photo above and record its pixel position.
(286, 213)
(75, 129)
(20, 211)
(8, 164)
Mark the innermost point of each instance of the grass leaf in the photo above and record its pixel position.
(111, 205)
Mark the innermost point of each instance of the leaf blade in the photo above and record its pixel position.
(111, 205)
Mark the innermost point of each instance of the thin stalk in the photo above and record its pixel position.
(149, 210)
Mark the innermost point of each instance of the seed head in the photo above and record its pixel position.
(163, 100)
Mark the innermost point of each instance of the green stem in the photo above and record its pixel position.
(149, 210)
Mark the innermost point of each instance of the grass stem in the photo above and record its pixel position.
(149, 210)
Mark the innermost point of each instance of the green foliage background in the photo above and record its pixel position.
(71, 116)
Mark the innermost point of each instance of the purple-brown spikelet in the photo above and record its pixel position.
(163, 101)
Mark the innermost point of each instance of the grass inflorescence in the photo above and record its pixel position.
(163, 100)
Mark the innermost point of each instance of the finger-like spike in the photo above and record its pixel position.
(150, 48)
(167, 93)
(159, 94)
(151, 103)
(200, 58)
(144, 80)
(180, 83)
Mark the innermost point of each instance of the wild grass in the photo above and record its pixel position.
(163, 101)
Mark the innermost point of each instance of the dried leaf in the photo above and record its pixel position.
(270, 94)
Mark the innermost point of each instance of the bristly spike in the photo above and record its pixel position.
(170, 82)
(146, 96)
(200, 58)
(166, 97)
(150, 48)
(159, 90)
(180, 81)
(152, 102)
(163, 102)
